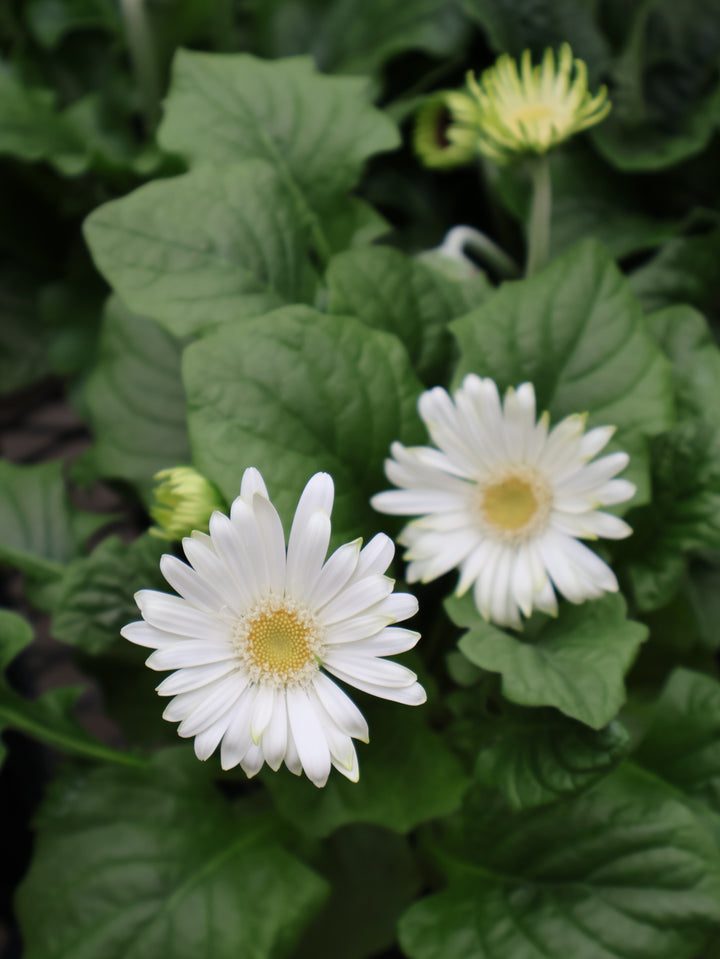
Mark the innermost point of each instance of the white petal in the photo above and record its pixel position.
(376, 556)
(398, 606)
(237, 739)
(403, 502)
(274, 739)
(142, 634)
(335, 574)
(413, 695)
(262, 711)
(252, 761)
(308, 735)
(208, 740)
(175, 615)
(201, 554)
(273, 537)
(239, 543)
(193, 677)
(615, 491)
(316, 497)
(381, 672)
(252, 482)
(306, 554)
(390, 641)
(190, 652)
(185, 580)
(341, 708)
(358, 598)
(218, 698)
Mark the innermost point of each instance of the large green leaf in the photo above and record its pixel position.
(135, 399)
(537, 757)
(95, 597)
(344, 37)
(663, 85)
(50, 717)
(575, 331)
(316, 132)
(393, 292)
(685, 338)
(137, 864)
(200, 249)
(39, 526)
(374, 878)
(515, 25)
(684, 514)
(623, 870)
(575, 663)
(295, 392)
(683, 271)
(683, 742)
(407, 776)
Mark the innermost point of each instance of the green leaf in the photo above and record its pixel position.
(623, 870)
(373, 878)
(685, 338)
(135, 399)
(52, 20)
(575, 331)
(663, 85)
(32, 129)
(96, 592)
(390, 291)
(344, 37)
(683, 271)
(316, 132)
(513, 26)
(575, 663)
(684, 514)
(40, 528)
(295, 392)
(590, 200)
(539, 757)
(407, 776)
(48, 718)
(23, 357)
(204, 248)
(153, 862)
(682, 744)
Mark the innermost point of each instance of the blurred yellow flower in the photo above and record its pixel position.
(442, 140)
(531, 109)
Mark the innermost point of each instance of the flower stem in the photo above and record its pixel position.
(144, 57)
(538, 234)
(486, 250)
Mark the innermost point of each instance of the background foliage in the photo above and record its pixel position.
(210, 250)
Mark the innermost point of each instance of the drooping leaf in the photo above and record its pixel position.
(39, 526)
(135, 399)
(344, 37)
(684, 514)
(295, 392)
(682, 744)
(407, 776)
(204, 248)
(374, 878)
(624, 869)
(539, 756)
(95, 598)
(135, 863)
(575, 663)
(576, 332)
(683, 271)
(315, 132)
(390, 291)
(48, 718)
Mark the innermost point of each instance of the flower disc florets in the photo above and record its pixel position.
(504, 499)
(532, 109)
(258, 626)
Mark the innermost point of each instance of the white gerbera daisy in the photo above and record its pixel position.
(505, 501)
(258, 628)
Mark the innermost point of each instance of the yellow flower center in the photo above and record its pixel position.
(515, 505)
(279, 643)
(531, 112)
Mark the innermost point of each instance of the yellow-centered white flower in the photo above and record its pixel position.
(258, 626)
(504, 499)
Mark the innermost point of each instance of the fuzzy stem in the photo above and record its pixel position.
(538, 235)
(487, 251)
(144, 57)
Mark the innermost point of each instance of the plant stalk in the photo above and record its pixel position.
(538, 233)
